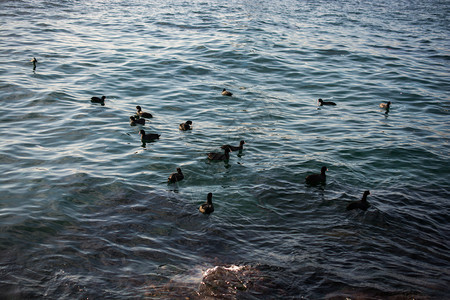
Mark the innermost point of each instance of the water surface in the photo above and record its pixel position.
(85, 208)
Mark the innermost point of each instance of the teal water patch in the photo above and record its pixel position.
(86, 208)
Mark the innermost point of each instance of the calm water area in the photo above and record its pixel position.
(86, 211)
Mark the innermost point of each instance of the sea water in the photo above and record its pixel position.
(85, 208)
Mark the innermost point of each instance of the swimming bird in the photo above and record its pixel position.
(317, 178)
(361, 204)
(207, 207)
(226, 93)
(234, 148)
(186, 125)
(34, 61)
(98, 100)
(325, 102)
(386, 106)
(220, 156)
(143, 114)
(134, 121)
(148, 136)
(176, 176)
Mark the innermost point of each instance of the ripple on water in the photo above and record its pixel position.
(86, 208)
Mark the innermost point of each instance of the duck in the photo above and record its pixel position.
(186, 125)
(176, 176)
(148, 136)
(361, 204)
(234, 148)
(386, 105)
(207, 207)
(325, 102)
(226, 93)
(317, 178)
(220, 156)
(34, 61)
(134, 121)
(143, 114)
(98, 100)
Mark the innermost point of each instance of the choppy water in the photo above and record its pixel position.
(85, 209)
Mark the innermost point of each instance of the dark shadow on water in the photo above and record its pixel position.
(226, 163)
(144, 144)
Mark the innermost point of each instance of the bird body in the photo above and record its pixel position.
(361, 204)
(186, 125)
(34, 61)
(220, 156)
(386, 105)
(325, 102)
(314, 179)
(148, 136)
(176, 176)
(226, 93)
(98, 100)
(134, 121)
(207, 207)
(234, 148)
(143, 114)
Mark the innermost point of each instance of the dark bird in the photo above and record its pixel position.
(186, 125)
(226, 93)
(234, 148)
(134, 121)
(149, 136)
(361, 204)
(34, 61)
(143, 114)
(317, 178)
(98, 100)
(385, 106)
(220, 156)
(176, 176)
(207, 207)
(325, 102)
